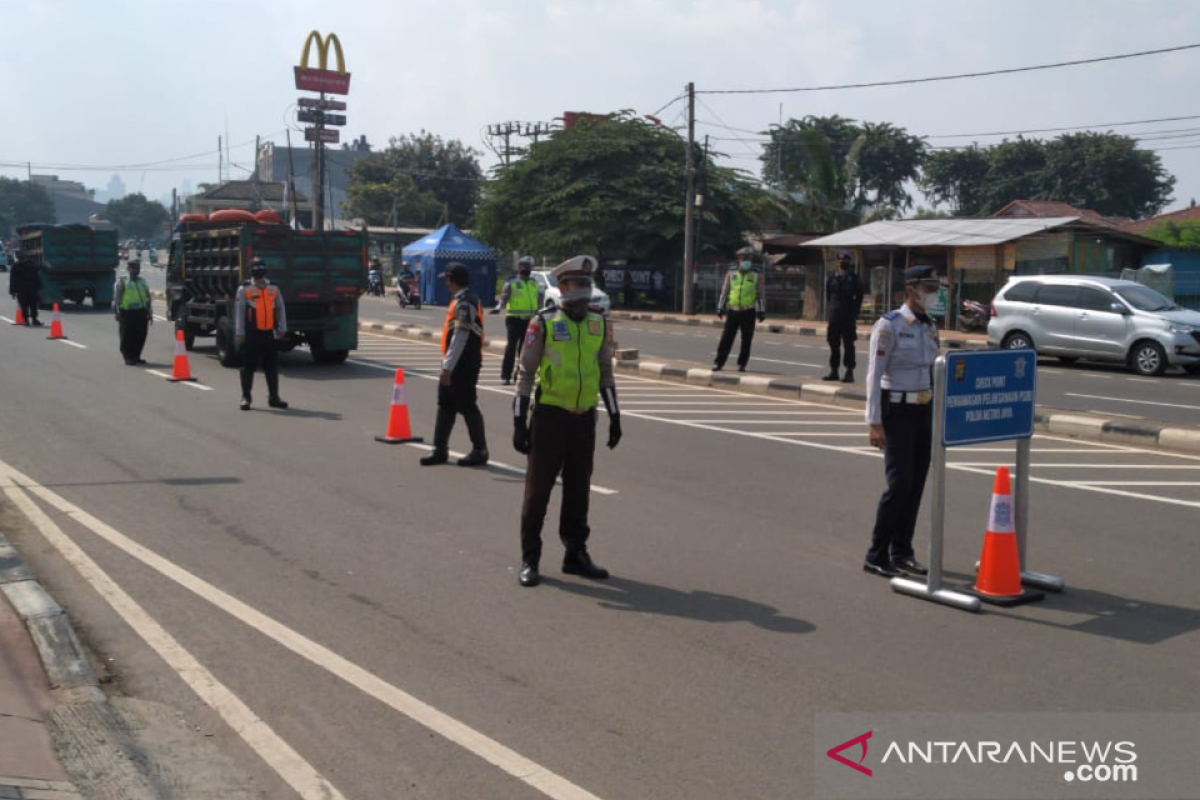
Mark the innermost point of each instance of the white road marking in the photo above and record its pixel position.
(193, 384)
(314, 786)
(506, 467)
(781, 361)
(1127, 400)
(748, 404)
(160, 318)
(9, 321)
(1142, 380)
(1094, 375)
(277, 753)
(73, 344)
(1115, 414)
(1139, 483)
(1051, 371)
(1048, 465)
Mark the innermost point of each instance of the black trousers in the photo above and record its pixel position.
(28, 301)
(461, 397)
(260, 349)
(561, 443)
(133, 327)
(515, 327)
(841, 335)
(736, 321)
(906, 457)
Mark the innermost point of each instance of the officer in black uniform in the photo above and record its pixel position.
(844, 296)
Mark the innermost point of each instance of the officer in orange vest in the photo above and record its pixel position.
(260, 320)
(462, 357)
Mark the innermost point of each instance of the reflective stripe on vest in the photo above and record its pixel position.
(523, 299)
(743, 290)
(140, 299)
(260, 307)
(477, 328)
(569, 375)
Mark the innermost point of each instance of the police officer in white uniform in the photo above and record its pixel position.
(904, 345)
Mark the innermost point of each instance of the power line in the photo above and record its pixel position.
(1069, 128)
(668, 104)
(959, 76)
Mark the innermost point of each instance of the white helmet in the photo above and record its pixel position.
(581, 269)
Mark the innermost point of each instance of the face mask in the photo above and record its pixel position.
(929, 299)
(524, 274)
(745, 265)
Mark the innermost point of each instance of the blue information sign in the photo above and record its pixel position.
(990, 396)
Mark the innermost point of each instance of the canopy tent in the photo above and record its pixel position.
(448, 244)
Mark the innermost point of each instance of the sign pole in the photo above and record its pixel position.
(1037, 580)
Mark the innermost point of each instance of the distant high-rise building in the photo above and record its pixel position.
(273, 164)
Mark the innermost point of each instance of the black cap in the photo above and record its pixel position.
(844, 258)
(258, 267)
(919, 274)
(458, 273)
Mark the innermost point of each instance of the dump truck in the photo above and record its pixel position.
(75, 262)
(321, 275)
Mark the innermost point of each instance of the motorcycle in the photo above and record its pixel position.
(408, 293)
(375, 283)
(973, 316)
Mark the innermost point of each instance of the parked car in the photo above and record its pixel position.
(1098, 319)
(549, 284)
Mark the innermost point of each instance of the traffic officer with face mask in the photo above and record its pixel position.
(134, 315)
(904, 345)
(566, 368)
(743, 299)
(523, 296)
(260, 321)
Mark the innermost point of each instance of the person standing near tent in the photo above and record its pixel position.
(523, 297)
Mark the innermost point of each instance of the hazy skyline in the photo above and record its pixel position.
(93, 89)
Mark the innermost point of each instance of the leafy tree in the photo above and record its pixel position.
(612, 187)
(414, 179)
(22, 202)
(957, 178)
(1176, 234)
(134, 215)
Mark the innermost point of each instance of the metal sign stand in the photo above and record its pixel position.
(933, 588)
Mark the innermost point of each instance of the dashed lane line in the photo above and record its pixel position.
(192, 384)
(302, 777)
(73, 344)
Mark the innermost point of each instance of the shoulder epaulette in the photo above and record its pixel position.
(891, 315)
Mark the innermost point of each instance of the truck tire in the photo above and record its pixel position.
(226, 353)
(323, 356)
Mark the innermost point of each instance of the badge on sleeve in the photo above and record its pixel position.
(532, 333)
(562, 333)
(594, 327)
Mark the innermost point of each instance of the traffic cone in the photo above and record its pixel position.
(998, 580)
(56, 331)
(181, 372)
(20, 320)
(398, 429)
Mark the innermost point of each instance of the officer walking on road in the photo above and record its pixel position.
(568, 355)
(743, 298)
(904, 345)
(843, 296)
(261, 321)
(462, 357)
(134, 315)
(24, 283)
(523, 297)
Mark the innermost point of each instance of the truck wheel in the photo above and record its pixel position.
(322, 356)
(225, 351)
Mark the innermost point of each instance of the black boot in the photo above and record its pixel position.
(529, 575)
(580, 563)
(273, 399)
(479, 452)
(441, 438)
(849, 378)
(832, 376)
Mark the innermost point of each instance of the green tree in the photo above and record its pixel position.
(414, 180)
(134, 215)
(1176, 234)
(611, 187)
(22, 202)
(957, 178)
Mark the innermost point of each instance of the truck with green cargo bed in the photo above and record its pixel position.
(75, 262)
(321, 275)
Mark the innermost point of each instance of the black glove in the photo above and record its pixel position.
(520, 435)
(762, 316)
(614, 432)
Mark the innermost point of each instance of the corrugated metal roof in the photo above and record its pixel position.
(940, 232)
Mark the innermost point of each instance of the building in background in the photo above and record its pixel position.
(252, 196)
(274, 163)
(73, 202)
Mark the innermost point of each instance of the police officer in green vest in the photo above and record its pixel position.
(743, 299)
(523, 296)
(568, 359)
(134, 316)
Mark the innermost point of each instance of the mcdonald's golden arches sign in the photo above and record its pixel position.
(321, 78)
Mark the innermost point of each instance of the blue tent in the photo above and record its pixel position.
(446, 245)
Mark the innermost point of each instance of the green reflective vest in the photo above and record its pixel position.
(569, 375)
(134, 294)
(743, 289)
(523, 298)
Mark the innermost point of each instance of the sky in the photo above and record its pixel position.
(92, 89)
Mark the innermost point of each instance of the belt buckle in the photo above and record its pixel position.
(924, 397)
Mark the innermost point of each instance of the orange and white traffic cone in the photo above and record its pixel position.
(398, 429)
(56, 330)
(999, 578)
(181, 371)
(20, 319)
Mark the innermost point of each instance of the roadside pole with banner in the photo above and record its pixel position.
(979, 396)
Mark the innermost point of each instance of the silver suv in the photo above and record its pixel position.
(1100, 319)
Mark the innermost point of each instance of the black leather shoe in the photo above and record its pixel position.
(475, 458)
(276, 402)
(245, 404)
(833, 376)
(581, 564)
(529, 575)
(883, 570)
(717, 368)
(849, 378)
(911, 565)
(741, 368)
(436, 457)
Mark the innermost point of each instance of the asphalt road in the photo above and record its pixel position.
(1099, 388)
(734, 527)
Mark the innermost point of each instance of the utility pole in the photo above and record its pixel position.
(220, 161)
(689, 211)
(319, 168)
(701, 191)
(291, 179)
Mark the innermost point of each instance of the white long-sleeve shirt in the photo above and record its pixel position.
(903, 350)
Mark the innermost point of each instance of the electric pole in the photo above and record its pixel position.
(689, 211)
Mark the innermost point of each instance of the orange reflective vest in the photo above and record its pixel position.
(446, 327)
(260, 307)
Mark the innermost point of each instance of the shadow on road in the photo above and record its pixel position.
(622, 594)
